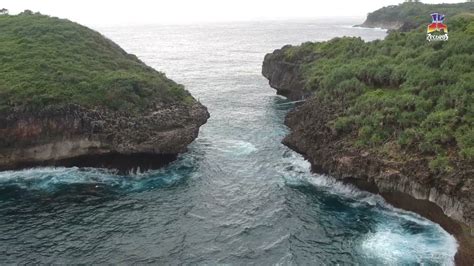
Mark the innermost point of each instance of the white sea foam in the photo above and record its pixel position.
(394, 246)
(390, 242)
(48, 178)
(301, 174)
(237, 147)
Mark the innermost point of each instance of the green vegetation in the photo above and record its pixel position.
(416, 14)
(49, 61)
(403, 90)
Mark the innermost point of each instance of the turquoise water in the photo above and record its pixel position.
(237, 197)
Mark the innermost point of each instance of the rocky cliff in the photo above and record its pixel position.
(311, 135)
(408, 184)
(284, 76)
(76, 136)
(404, 178)
(70, 96)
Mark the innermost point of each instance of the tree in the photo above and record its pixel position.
(3, 11)
(27, 12)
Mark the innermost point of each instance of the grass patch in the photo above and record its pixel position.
(49, 61)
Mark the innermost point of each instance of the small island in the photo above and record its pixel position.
(71, 97)
(392, 116)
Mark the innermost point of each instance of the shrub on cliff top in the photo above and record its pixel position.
(403, 89)
(50, 61)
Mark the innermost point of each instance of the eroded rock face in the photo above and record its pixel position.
(284, 76)
(311, 136)
(70, 135)
(406, 184)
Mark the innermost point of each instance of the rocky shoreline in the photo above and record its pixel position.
(76, 136)
(388, 25)
(394, 25)
(408, 184)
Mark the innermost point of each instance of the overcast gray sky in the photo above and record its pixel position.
(111, 12)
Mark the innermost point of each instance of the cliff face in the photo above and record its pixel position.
(74, 135)
(284, 76)
(311, 136)
(444, 199)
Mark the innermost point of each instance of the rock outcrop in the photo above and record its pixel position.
(311, 136)
(406, 184)
(78, 136)
(284, 76)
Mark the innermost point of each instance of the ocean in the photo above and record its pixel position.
(238, 196)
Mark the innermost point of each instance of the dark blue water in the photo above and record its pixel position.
(237, 197)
